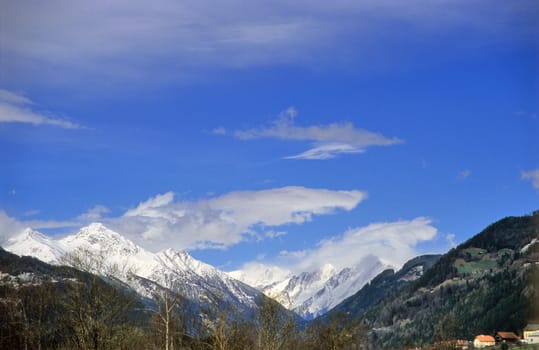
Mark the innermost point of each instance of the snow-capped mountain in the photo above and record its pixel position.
(36, 244)
(313, 293)
(309, 294)
(144, 271)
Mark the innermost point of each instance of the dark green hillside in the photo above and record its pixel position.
(486, 284)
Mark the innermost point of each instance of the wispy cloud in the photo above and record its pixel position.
(532, 176)
(191, 34)
(8, 226)
(94, 214)
(222, 221)
(13, 98)
(328, 141)
(15, 108)
(327, 151)
(392, 242)
(218, 222)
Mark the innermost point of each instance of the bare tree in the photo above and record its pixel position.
(275, 328)
(96, 308)
(220, 331)
(166, 316)
(336, 333)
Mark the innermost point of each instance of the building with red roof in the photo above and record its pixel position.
(482, 341)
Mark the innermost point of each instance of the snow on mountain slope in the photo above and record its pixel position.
(340, 286)
(313, 293)
(36, 244)
(146, 272)
(260, 276)
(310, 293)
(178, 271)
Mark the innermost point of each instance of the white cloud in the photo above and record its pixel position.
(91, 215)
(327, 151)
(328, 140)
(13, 98)
(532, 176)
(260, 275)
(126, 37)
(16, 109)
(392, 242)
(53, 224)
(94, 214)
(226, 220)
(152, 207)
(284, 128)
(8, 227)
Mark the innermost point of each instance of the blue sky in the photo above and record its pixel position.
(270, 132)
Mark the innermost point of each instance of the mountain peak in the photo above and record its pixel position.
(97, 228)
(34, 243)
(98, 232)
(28, 235)
(171, 251)
(98, 237)
(182, 260)
(31, 233)
(176, 255)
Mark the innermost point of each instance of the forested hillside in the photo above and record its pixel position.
(487, 284)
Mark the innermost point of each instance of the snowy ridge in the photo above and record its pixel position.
(144, 271)
(310, 293)
(313, 293)
(36, 244)
(340, 286)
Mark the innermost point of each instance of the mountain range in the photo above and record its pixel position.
(145, 272)
(487, 284)
(309, 294)
(312, 293)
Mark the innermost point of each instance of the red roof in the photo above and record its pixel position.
(508, 335)
(485, 338)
